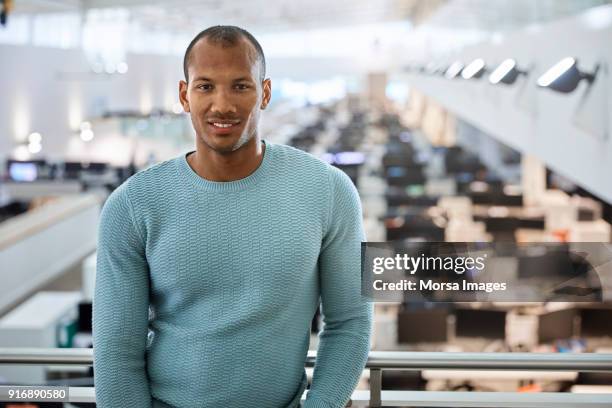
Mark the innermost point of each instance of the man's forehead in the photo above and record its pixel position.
(209, 55)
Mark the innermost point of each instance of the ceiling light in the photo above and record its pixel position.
(564, 76)
(34, 148)
(122, 67)
(506, 73)
(454, 70)
(592, 114)
(436, 69)
(475, 69)
(430, 68)
(35, 138)
(433, 68)
(110, 68)
(87, 135)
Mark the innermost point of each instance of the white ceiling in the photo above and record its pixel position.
(506, 15)
(443, 25)
(257, 15)
(188, 16)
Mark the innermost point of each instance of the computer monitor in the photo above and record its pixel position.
(73, 170)
(94, 167)
(595, 322)
(414, 225)
(557, 325)
(404, 176)
(352, 171)
(547, 261)
(509, 200)
(397, 196)
(85, 313)
(23, 171)
(402, 380)
(500, 224)
(422, 325)
(490, 324)
(531, 223)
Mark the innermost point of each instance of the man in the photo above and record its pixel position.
(230, 247)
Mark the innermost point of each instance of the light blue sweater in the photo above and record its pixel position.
(205, 290)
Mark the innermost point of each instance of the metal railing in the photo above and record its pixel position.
(382, 360)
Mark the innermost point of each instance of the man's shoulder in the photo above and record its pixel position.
(151, 180)
(305, 168)
(300, 161)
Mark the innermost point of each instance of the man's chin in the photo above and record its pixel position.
(225, 144)
(221, 144)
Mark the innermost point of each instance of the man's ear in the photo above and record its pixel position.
(267, 92)
(183, 96)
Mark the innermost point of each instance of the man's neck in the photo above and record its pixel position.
(215, 166)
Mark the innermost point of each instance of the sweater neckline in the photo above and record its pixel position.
(185, 171)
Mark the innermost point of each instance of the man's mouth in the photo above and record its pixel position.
(223, 124)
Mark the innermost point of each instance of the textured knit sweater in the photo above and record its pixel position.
(205, 290)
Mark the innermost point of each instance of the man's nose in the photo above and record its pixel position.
(222, 103)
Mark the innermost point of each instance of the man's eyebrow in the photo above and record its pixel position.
(241, 79)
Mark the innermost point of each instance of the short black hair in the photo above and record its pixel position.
(227, 36)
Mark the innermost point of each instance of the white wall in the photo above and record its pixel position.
(50, 91)
(538, 121)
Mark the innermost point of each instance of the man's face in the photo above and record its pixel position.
(224, 94)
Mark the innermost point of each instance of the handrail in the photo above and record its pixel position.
(397, 360)
(379, 360)
(438, 399)
(46, 356)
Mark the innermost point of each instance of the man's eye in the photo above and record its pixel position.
(205, 87)
(242, 86)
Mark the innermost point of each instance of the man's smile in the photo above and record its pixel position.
(223, 126)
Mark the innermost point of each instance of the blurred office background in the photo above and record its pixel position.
(457, 120)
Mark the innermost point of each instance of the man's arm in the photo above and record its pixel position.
(120, 308)
(345, 339)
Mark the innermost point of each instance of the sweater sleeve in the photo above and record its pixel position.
(347, 315)
(120, 308)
